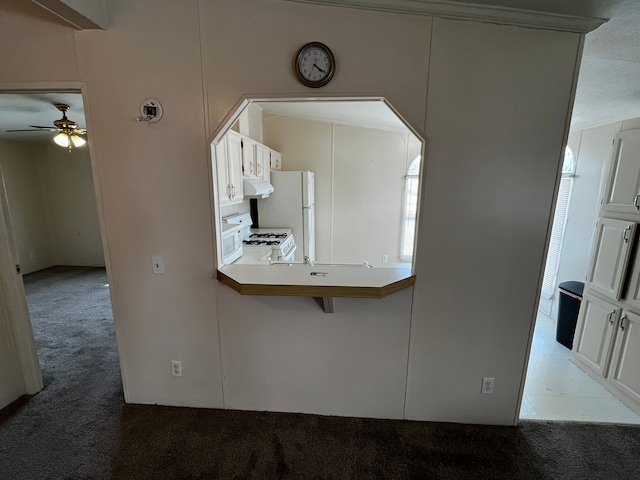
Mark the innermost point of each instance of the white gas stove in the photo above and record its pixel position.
(279, 240)
(262, 245)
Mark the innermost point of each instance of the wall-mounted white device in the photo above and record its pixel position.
(150, 111)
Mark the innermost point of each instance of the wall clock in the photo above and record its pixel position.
(315, 64)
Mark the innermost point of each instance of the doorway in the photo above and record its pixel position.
(50, 203)
(556, 388)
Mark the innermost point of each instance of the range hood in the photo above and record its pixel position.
(256, 188)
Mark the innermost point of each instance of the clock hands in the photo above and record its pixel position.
(314, 65)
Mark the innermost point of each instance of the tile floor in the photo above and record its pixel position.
(556, 389)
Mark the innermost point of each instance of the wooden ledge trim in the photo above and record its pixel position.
(315, 291)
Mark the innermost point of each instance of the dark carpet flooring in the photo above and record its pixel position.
(78, 427)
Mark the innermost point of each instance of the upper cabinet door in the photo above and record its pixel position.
(263, 169)
(623, 188)
(224, 187)
(234, 167)
(249, 158)
(610, 256)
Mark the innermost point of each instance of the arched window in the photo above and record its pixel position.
(410, 208)
(559, 224)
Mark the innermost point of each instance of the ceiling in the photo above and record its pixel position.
(20, 110)
(372, 114)
(608, 85)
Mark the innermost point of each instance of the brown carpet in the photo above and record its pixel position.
(79, 428)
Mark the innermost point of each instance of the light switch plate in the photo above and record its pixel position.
(158, 265)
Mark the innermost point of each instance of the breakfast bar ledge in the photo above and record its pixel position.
(320, 281)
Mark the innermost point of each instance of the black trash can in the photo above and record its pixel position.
(568, 308)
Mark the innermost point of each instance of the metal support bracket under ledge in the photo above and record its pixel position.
(326, 303)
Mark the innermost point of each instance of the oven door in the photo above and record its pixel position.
(289, 256)
(231, 245)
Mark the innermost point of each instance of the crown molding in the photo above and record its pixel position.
(472, 12)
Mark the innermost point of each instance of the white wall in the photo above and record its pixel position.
(52, 205)
(359, 179)
(498, 102)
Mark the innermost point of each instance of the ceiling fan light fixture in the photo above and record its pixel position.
(62, 139)
(77, 141)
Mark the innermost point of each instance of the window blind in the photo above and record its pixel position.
(557, 235)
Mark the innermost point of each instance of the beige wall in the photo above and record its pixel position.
(68, 184)
(52, 206)
(495, 125)
(22, 172)
(368, 177)
(495, 118)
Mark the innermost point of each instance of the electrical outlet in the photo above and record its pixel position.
(176, 368)
(158, 265)
(385, 258)
(487, 384)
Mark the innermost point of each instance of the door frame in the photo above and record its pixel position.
(14, 300)
(12, 293)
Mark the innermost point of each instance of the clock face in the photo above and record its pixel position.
(315, 64)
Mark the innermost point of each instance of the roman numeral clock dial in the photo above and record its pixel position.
(315, 65)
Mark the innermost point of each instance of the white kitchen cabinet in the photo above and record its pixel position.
(249, 158)
(607, 336)
(610, 256)
(624, 372)
(228, 154)
(276, 160)
(632, 295)
(263, 171)
(622, 193)
(597, 322)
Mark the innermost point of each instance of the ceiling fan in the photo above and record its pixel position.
(70, 135)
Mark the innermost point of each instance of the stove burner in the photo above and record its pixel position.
(268, 235)
(261, 242)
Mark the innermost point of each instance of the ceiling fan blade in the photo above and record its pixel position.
(51, 129)
(28, 130)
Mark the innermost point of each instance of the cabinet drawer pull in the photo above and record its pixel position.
(611, 317)
(624, 235)
(636, 202)
(622, 322)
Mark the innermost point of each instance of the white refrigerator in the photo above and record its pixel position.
(291, 205)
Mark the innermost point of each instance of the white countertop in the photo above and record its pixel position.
(255, 255)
